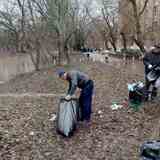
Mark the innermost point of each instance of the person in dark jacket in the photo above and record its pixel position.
(80, 80)
(150, 60)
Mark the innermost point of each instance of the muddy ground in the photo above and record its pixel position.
(26, 132)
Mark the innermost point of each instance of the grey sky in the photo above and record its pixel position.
(93, 4)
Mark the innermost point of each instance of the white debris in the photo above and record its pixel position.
(31, 133)
(116, 106)
(100, 112)
(53, 117)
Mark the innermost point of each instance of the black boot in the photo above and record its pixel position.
(154, 93)
(148, 92)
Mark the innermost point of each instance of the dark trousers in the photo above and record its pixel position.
(154, 89)
(85, 100)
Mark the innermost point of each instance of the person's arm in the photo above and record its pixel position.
(73, 84)
(69, 88)
(147, 61)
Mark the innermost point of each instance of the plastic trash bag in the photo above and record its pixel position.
(68, 115)
(150, 150)
(133, 86)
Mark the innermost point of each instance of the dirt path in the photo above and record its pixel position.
(32, 95)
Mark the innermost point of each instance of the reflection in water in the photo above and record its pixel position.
(12, 66)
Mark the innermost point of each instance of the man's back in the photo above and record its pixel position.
(76, 79)
(75, 74)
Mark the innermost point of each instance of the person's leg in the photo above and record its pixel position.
(155, 88)
(154, 93)
(81, 105)
(157, 83)
(87, 101)
(147, 83)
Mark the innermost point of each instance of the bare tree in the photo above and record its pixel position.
(21, 6)
(138, 38)
(126, 24)
(57, 15)
(108, 29)
(124, 40)
(64, 23)
(83, 25)
(112, 28)
(34, 39)
(12, 18)
(8, 22)
(101, 27)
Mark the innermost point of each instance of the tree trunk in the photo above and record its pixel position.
(36, 58)
(17, 43)
(139, 39)
(113, 44)
(32, 59)
(66, 53)
(124, 40)
(21, 7)
(106, 43)
(60, 50)
(140, 44)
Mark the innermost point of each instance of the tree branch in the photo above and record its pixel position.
(144, 7)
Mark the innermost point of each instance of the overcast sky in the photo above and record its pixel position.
(93, 4)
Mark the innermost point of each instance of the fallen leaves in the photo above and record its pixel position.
(28, 127)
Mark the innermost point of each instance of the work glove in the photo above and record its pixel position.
(68, 97)
(150, 66)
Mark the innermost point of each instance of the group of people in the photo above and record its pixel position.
(82, 81)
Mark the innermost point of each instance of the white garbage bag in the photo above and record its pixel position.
(67, 116)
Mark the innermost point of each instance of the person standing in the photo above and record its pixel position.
(150, 60)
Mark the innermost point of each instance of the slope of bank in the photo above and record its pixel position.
(26, 131)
